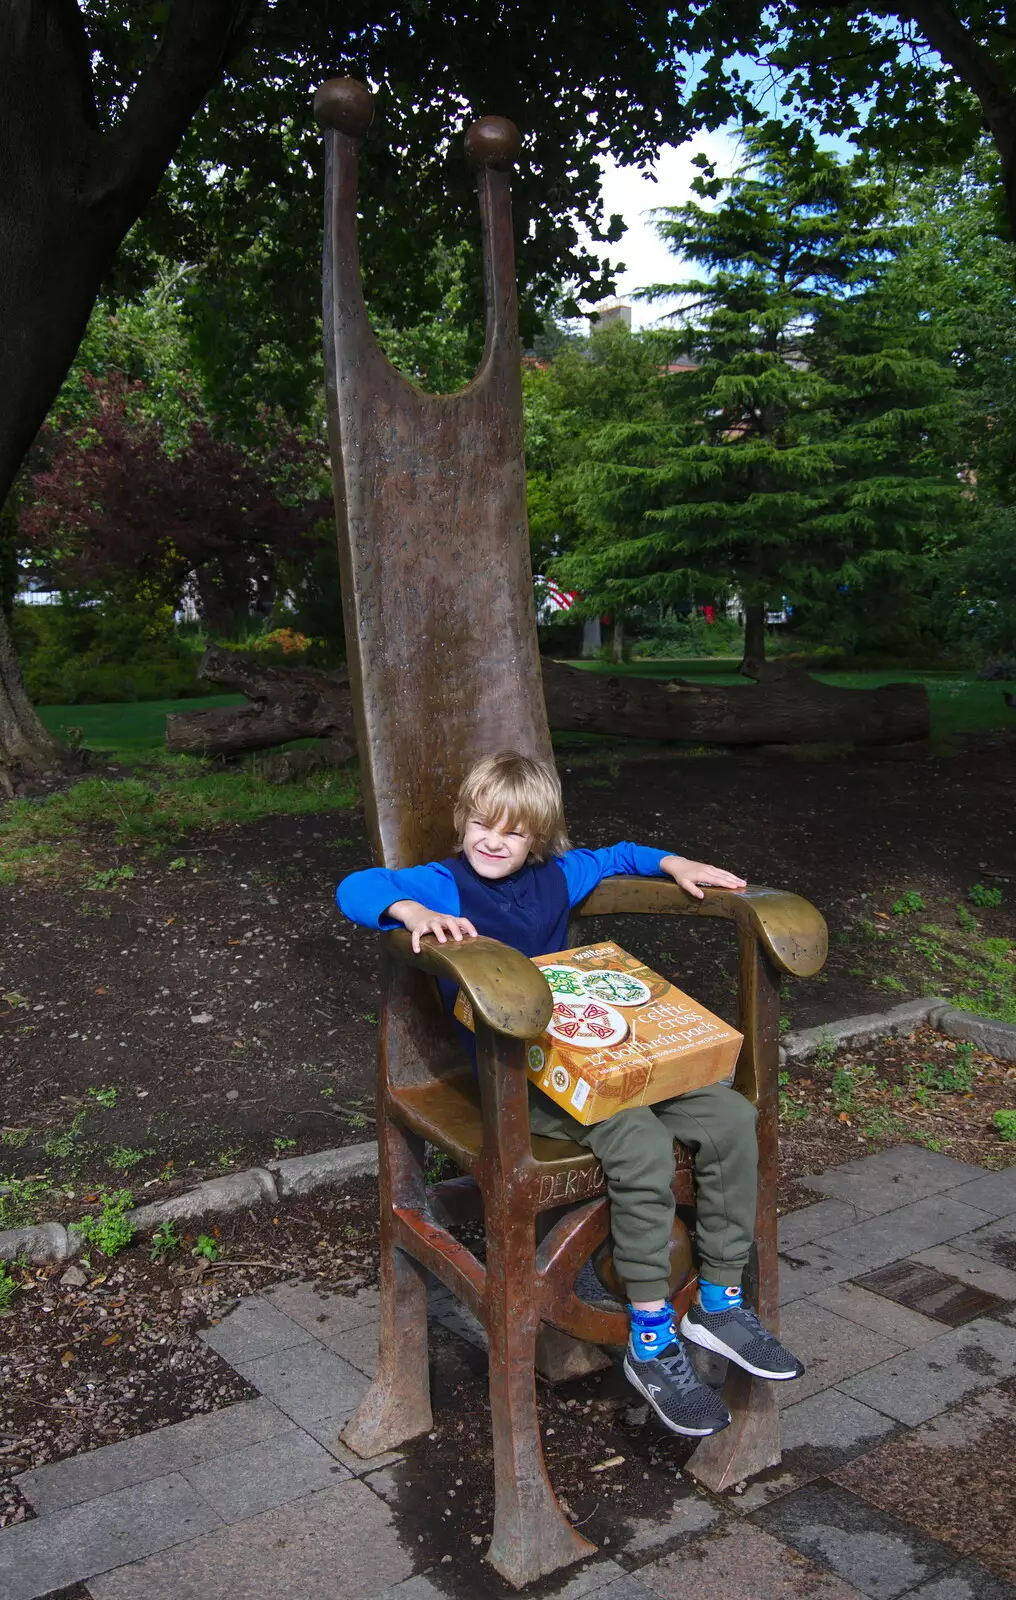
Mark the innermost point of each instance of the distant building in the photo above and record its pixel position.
(613, 311)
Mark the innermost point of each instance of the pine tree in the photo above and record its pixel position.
(806, 452)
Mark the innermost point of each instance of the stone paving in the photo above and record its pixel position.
(261, 1500)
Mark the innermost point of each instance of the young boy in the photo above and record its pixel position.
(516, 879)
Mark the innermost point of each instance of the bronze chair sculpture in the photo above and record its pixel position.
(444, 664)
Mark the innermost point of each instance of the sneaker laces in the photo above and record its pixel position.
(746, 1314)
(679, 1369)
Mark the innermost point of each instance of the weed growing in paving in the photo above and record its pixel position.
(907, 904)
(20, 1199)
(164, 1240)
(111, 877)
(1005, 1122)
(8, 1289)
(955, 1077)
(61, 1146)
(790, 1110)
(123, 1159)
(112, 1230)
(987, 898)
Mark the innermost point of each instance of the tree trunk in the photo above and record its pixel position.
(592, 638)
(618, 643)
(754, 637)
(69, 193)
(786, 707)
(26, 747)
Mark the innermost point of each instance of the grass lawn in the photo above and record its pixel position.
(959, 703)
(130, 731)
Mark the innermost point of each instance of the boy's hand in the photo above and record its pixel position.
(689, 874)
(419, 921)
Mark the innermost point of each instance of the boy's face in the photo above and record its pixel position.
(495, 851)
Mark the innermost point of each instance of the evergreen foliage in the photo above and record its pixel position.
(802, 440)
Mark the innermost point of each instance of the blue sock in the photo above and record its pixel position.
(719, 1296)
(651, 1332)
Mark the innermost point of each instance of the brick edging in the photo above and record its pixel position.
(50, 1241)
(996, 1038)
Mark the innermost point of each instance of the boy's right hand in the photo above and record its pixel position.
(419, 920)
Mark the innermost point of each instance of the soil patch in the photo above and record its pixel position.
(213, 1010)
(921, 1088)
(98, 1350)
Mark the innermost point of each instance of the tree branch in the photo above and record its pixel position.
(969, 60)
(200, 38)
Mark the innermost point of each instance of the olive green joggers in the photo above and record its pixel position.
(636, 1150)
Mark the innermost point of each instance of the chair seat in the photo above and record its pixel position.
(446, 1112)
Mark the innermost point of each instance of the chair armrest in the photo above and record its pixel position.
(503, 987)
(791, 930)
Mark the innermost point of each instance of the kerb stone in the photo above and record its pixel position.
(45, 1241)
(218, 1197)
(303, 1174)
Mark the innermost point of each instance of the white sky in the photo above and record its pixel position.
(634, 195)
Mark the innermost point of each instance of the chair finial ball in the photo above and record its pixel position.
(493, 142)
(345, 104)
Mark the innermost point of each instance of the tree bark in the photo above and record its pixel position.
(754, 637)
(69, 193)
(786, 707)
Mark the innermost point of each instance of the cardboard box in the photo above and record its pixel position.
(620, 1035)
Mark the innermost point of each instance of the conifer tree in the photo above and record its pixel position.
(807, 451)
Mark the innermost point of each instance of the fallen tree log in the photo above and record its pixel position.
(786, 706)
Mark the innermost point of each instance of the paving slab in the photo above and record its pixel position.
(908, 1328)
(995, 1242)
(326, 1431)
(810, 1268)
(69, 1546)
(965, 1581)
(817, 1435)
(975, 1270)
(265, 1475)
(830, 1347)
(892, 1178)
(323, 1312)
(741, 1562)
(307, 1382)
(358, 1346)
(690, 1515)
(992, 1191)
(338, 1544)
(952, 1478)
(895, 1234)
(878, 1555)
(813, 1222)
(151, 1455)
(253, 1329)
(920, 1383)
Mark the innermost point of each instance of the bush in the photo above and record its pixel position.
(92, 652)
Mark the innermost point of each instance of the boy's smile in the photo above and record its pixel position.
(495, 851)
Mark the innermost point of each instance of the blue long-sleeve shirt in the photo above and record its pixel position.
(524, 910)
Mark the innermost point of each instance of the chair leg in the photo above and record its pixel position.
(750, 1444)
(396, 1407)
(532, 1536)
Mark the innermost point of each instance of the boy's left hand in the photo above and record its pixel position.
(690, 874)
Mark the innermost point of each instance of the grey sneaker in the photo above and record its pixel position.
(680, 1399)
(740, 1336)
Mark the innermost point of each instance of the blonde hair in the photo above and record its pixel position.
(521, 792)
